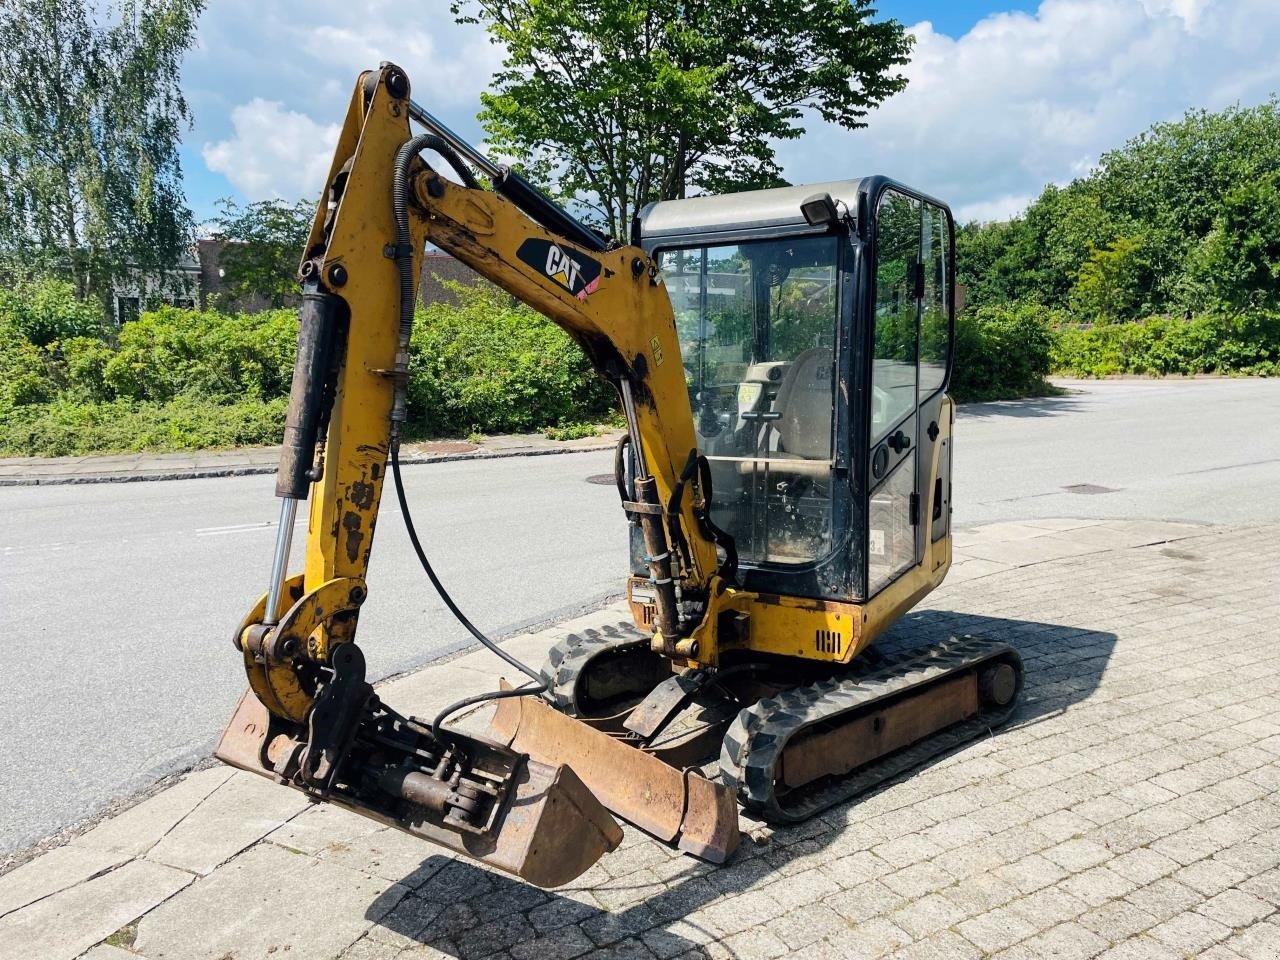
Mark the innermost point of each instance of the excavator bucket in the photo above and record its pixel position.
(681, 808)
(548, 828)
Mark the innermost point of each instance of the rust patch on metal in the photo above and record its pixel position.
(361, 494)
(355, 535)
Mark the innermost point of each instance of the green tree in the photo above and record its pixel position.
(1198, 193)
(615, 103)
(91, 115)
(1237, 266)
(263, 244)
(1109, 284)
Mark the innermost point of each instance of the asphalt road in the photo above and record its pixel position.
(117, 601)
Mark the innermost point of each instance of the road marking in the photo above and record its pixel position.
(243, 528)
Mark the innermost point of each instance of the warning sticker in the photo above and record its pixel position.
(877, 543)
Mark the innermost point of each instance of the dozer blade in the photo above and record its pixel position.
(547, 829)
(679, 807)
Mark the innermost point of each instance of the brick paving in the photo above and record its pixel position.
(1130, 810)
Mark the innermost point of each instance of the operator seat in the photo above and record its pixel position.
(804, 429)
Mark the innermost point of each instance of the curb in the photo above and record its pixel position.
(253, 469)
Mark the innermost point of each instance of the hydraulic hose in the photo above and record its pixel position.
(404, 267)
(540, 684)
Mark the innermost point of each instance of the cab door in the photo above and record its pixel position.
(909, 461)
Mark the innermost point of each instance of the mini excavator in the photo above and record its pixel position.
(781, 357)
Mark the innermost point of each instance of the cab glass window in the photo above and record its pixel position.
(757, 323)
(935, 322)
(893, 375)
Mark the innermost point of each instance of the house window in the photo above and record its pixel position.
(127, 309)
(183, 303)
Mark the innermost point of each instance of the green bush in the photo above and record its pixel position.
(81, 363)
(68, 427)
(26, 376)
(172, 352)
(45, 310)
(1158, 346)
(493, 365)
(178, 379)
(1002, 353)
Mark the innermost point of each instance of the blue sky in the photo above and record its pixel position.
(954, 18)
(1003, 97)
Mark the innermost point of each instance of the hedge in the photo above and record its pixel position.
(190, 379)
(178, 379)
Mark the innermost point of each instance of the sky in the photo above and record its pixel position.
(1003, 96)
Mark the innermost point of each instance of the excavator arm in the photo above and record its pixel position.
(310, 719)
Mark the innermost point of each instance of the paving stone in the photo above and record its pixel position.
(877, 937)
(1189, 932)
(489, 937)
(234, 816)
(391, 855)
(56, 870)
(67, 923)
(1235, 908)
(307, 907)
(918, 880)
(1077, 855)
(1260, 942)
(1117, 921)
(867, 900)
(928, 915)
(1066, 941)
(104, 951)
(677, 938)
(802, 926)
(1142, 866)
(1031, 873)
(997, 929)
(761, 943)
(1164, 898)
(1098, 885)
(320, 826)
(1209, 877)
(1139, 948)
(945, 945)
(559, 912)
(367, 948)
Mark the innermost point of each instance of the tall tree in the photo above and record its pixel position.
(614, 103)
(263, 243)
(91, 115)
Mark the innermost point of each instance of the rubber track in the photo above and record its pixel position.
(756, 738)
(567, 659)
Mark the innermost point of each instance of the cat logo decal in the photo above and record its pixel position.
(573, 271)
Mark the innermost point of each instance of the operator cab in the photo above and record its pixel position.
(816, 346)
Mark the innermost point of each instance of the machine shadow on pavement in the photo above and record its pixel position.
(1031, 408)
(464, 911)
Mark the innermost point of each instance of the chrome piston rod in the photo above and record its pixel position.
(460, 146)
(280, 561)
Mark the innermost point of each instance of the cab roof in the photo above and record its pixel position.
(734, 216)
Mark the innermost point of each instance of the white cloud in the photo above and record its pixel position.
(1022, 100)
(270, 78)
(274, 152)
(986, 121)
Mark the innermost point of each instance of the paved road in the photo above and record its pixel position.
(117, 601)
(1198, 450)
